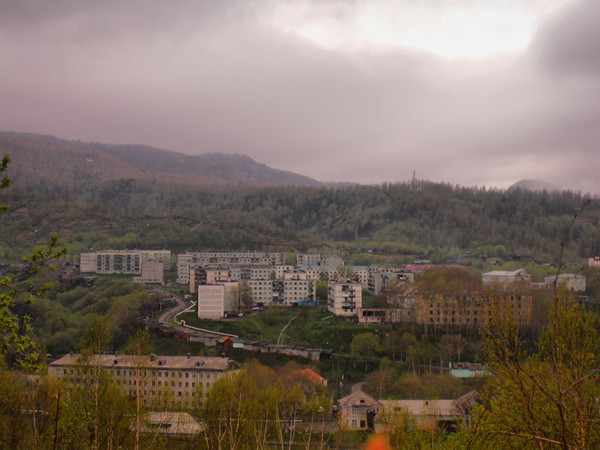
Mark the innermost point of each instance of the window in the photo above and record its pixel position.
(353, 410)
(354, 423)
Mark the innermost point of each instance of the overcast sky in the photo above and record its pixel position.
(472, 92)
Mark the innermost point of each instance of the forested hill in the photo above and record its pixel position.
(402, 221)
(39, 161)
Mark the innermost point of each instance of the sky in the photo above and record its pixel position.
(469, 92)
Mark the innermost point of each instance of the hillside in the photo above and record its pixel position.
(42, 162)
(101, 196)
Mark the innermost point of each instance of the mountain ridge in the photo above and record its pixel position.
(38, 159)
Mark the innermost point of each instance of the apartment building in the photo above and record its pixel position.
(120, 261)
(214, 300)
(189, 260)
(344, 297)
(187, 378)
(152, 273)
(360, 273)
(442, 309)
(380, 280)
(317, 259)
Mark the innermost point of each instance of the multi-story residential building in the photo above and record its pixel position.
(152, 273)
(120, 261)
(291, 290)
(474, 310)
(317, 259)
(268, 284)
(358, 410)
(359, 273)
(570, 281)
(187, 378)
(380, 279)
(215, 300)
(344, 297)
(187, 261)
(504, 278)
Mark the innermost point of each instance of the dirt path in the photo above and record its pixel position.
(280, 338)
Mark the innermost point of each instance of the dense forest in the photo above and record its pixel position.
(402, 221)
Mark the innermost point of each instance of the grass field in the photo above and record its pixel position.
(311, 327)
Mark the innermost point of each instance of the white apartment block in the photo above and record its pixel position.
(211, 301)
(187, 261)
(344, 297)
(152, 273)
(120, 261)
(290, 291)
(219, 274)
(188, 378)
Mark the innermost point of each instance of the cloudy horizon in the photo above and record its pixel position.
(460, 91)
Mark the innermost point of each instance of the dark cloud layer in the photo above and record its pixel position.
(216, 76)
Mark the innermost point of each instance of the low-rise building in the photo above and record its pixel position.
(428, 414)
(358, 410)
(504, 277)
(186, 378)
(594, 262)
(570, 281)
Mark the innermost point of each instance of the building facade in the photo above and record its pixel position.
(474, 310)
(358, 410)
(152, 273)
(186, 378)
(344, 297)
(120, 261)
(187, 261)
(570, 281)
(503, 277)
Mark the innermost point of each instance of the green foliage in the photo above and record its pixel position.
(60, 318)
(549, 397)
(390, 223)
(4, 180)
(256, 405)
(449, 280)
(15, 330)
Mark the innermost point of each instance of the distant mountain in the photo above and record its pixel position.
(533, 185)
(39, 159)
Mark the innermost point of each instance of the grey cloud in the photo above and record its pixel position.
(569, 44)
(209, 76)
